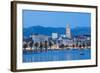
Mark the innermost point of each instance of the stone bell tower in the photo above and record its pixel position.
(68, 31)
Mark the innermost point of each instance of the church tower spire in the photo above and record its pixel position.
(68, 31)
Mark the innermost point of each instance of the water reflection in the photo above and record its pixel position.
(57, 55)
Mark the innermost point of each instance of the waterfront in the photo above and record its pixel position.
(57, 55)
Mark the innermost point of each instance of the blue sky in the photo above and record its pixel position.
(55, 19)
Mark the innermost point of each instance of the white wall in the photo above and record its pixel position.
(5, 37)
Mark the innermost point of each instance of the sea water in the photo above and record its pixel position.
(57, 55)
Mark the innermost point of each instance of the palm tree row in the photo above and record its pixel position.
(37, 45)
(44, 46)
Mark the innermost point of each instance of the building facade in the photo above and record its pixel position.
(68, 31)
(39, 38)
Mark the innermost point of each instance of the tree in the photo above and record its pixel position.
(25, 46)
(46, 45)
(41, 46)
(36, 45)
(50, 44)
(83, 45)
(88, 44)
(66, 46)
(62, 46)
(31, 44)
(80, 46)
(77, 44)
(73, 46)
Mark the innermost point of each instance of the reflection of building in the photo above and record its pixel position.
(54, 35)
(39, 38)
(68, 31)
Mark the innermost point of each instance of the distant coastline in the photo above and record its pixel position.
(48, 30)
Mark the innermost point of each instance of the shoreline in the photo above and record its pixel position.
(39, 51)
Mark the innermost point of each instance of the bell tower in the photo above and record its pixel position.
(68, 31)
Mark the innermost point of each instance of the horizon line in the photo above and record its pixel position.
(55, 27)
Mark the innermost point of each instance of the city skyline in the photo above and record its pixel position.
(55, 19)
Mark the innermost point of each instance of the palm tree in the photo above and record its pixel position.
(41, 46)
(25, 46)
(73, 46)
(36, 45)
(77, 44)
(66, 46)
(83, 45)
(31, 44)
(62, 46)
(80, 46)
(50, 44)
(46, 45)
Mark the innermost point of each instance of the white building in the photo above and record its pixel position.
(63, 35)
(54, 35)
(67, 42)
(39, 38)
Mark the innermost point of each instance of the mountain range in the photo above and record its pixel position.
(60, 30)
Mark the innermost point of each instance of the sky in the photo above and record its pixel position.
(55, 19)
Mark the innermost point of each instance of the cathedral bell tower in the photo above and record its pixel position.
(68, 31)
